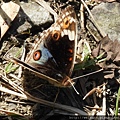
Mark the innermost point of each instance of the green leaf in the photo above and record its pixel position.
(11, 67)
(117, 102)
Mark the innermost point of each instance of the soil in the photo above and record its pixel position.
(97, 92)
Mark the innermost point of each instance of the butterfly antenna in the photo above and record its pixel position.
(73, 87)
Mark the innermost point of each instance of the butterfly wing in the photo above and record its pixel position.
(53, 54)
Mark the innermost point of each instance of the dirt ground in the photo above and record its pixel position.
(25, 96)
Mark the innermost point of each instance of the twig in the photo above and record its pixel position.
(56, 105)
(104, 100)
(15, 77)
(82, 17)
(27, 96)
(3, 89)
(11, 112)
(15, 86)
(97, 39)
(18, 102)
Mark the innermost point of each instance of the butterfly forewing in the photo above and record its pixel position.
(61, 41)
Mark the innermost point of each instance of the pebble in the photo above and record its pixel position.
(107, 15)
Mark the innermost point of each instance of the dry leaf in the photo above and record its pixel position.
(112, 61)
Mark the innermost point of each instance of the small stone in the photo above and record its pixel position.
(107, 15)
(31, 15)
(11, 106)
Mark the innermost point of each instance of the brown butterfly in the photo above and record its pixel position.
(53, 54)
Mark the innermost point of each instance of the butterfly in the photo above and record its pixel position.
(53, 53)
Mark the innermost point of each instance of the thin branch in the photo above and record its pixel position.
(27, 96)
(82, 17)
(3, 89)
(104, 100)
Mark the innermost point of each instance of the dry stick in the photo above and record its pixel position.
(3, 89)
(104, 100)
(56, 105)
(101, 32)
(18, 102)
(90, 93)
(27, 96)
(92, 33)
(94, 107)
(15, 86)
(15, 77)
(82, 17)
(8, 112)
(93, 91)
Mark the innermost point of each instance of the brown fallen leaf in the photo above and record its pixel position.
(112, 56)
(8, 12)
